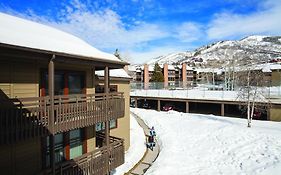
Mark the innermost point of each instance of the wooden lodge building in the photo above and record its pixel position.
(56, 115)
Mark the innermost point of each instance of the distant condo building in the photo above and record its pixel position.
(174, 75)
(183, 75)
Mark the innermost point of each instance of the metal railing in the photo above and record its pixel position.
(22, 118)
(93, 162)
(201, 93)
(204, 89)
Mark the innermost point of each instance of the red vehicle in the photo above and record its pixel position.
(168, 107)
(257, 115)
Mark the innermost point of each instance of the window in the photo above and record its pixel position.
(59, 84)
(75, 143)
(101, 126)
(113, 124)
(66, 82)
(100, 88)
(171, 79)
(59, 149)
(68, 146)
(75, 83)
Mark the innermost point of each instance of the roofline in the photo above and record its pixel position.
(80, 57)
(116, 78)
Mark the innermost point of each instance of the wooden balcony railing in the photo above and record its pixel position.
(94, 162)
(24, 118)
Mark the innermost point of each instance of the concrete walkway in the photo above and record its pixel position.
(149, 156)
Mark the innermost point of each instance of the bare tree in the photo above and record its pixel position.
(251, 93)
(230, 69)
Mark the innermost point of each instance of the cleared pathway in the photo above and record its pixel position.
(149, 156)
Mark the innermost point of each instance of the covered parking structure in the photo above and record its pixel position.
(216, 107)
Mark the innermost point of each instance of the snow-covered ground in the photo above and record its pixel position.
(136, 150)
(207, 144)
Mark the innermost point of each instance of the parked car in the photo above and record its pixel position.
(146, 105)
(257, 115)
(168, 107)
(132, 105)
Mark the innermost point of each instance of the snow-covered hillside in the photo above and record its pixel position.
(261, 48)
(171, 58)
(207, 144)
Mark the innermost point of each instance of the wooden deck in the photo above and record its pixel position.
(22, 118)
(94, 162)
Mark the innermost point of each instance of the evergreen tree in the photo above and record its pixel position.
(157, 75)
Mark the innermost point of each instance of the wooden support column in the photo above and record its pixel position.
(136, 102)
(186, 107)
(158, 105)
(107, 130)
(166, 75)
(146, 76)
(51, 77)
(268, 113)
(222, 109)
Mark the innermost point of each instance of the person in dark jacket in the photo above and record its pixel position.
(152, 132)
(151, 142)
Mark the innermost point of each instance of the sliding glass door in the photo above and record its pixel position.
(66, 83)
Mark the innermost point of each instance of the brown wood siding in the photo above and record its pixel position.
(5, 72)
(23, 158)
(19, 79)
(276, 78)
(91, 138)
(6, 88)
(123, 128)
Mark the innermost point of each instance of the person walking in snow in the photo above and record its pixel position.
(151, 142)
(152, 132)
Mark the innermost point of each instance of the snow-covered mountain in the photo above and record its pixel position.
(259, 48)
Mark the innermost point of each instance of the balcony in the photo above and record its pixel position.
(95, 162)
(24, 118)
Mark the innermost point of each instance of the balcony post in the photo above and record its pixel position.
(136, 102)
(51, 72)
(107, 131)
(186, 107)
(158, 105)
(222, 109)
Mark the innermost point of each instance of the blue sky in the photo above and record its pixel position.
(144, 29)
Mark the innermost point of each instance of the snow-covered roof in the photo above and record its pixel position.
(266, 67)
(150, 68)
(132, 68)
(178, 66)
(20, 32)
(206, 70)
(120, 73)
(274, 66)
(171, 67)
(189, 68)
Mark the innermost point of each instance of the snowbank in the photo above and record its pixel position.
(207, 144)
(136, 150)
